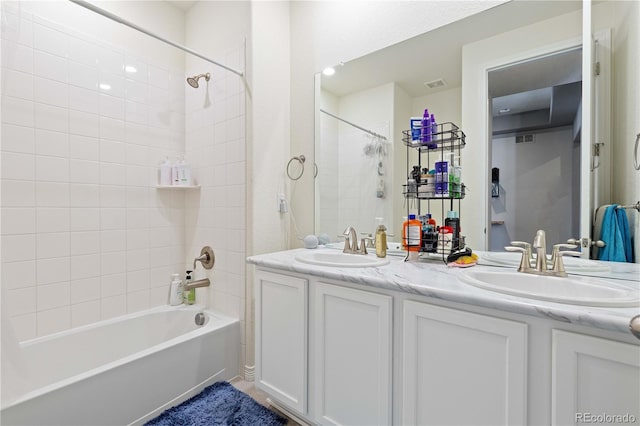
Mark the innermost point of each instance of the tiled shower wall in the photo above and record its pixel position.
(85, 233)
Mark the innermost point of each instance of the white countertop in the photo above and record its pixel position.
(435, 280)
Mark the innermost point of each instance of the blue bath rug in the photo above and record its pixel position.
(219, 404)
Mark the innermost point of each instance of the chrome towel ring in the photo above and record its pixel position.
(636, 164)
(300, 159)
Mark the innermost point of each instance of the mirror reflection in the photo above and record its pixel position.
(365, 105)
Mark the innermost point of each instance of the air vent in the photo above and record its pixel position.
(524, 138)
(435, 83)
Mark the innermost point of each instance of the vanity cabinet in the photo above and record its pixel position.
(594, 377)
(281, 338)
(352, 365)
(462, 368)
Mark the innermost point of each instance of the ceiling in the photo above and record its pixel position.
(184, 5)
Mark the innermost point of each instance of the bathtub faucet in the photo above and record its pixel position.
(197, 284)
(207, 258)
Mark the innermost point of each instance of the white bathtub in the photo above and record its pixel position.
(121, 371)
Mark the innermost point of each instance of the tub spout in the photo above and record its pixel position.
(197, 284)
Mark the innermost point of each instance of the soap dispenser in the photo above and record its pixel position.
(189, 295)
(381, 239)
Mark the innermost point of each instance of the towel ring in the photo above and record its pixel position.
(636, 165)
(300, 159)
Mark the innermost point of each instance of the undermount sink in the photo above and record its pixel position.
(341, 260)
(571, 264)
(573, 290)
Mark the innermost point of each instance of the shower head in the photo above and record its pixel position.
(193, 81)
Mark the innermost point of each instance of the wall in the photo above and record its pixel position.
(215, 144)
(85, 235)
(325, 33)
(535, 173)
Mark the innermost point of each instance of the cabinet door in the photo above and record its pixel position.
(593, 377)
(281, 338)
(461, 368)
(352, 374)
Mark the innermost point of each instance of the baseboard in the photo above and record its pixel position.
(250, 373)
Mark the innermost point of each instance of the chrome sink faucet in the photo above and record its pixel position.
(540, 244)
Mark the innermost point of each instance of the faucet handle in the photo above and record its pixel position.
(556, 258)
(525, 245)
(525, 264)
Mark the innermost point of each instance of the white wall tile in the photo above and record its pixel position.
(81, 195)
(18, 247)
(52, 244)
(53, 169)
(24, 326)
(112, 151)
(135, 91)
(111, 106)
(17, 84)
(113, 306)
(18, 220)
(52, 194)
(51, 117)
(23, 301)
(51, 92)
(19, 274)
(110, 60)
(84, 148)
(137, 301)
(53, 295)
(18, 139)
(52, 143)
(158, 296)
(17, 57)
(17, 111)
(112, 84)
(83, 123)
(138, 155)
(83, 52)
(111, 128)
(137, 239)
(114, 240)
(136, 112)
(54, 320)
(85, 290)
(141, 73)
(113, 285)
(52, 219)
(50, 40)
(85, 266)
(138, 260)
(83, 76)
(84, 219)
(51, 66)
(85, 100)
(113, 196)
(17, 28)
(85, 313)
(112, 174)
(158, 77)
(82, 171)
(53, 270)
(137, 280)
(84, 242)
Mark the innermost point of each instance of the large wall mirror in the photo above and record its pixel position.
(525, 122)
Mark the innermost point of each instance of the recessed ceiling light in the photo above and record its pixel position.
(504, 110)
(105, 86)
(130, 69)
(329, 71)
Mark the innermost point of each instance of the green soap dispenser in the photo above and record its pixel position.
(189, 296)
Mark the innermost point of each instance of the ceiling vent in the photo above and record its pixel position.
(525, 138)
(435, 83)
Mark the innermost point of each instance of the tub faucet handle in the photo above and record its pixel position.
(207, 258)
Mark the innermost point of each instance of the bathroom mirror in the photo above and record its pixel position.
(363, 108)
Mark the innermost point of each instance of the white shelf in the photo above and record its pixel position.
(177, 186)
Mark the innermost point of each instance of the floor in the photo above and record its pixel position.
(260, 397)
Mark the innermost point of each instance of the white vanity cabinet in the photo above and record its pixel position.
(281, 338)
(593, 378)
(352, 356)
(462, 368)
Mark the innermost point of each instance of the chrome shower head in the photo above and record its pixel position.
(193, 81)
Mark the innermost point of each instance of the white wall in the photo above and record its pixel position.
(85, 235)
(325, 33)
(536, 174)
(216, 215)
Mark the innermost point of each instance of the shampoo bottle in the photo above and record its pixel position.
(189, 295)
(434, 132)
(412, 234)
(175, 292)
(425, 133)
(165, 172)
(381, 239)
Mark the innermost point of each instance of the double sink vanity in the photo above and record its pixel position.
(354, 339)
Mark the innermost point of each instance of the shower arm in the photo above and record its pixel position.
(119, 20)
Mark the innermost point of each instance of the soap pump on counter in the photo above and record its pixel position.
(381, 238)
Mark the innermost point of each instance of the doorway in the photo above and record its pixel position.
(535, 128)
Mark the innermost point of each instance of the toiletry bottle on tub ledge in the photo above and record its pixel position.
(189, 296)
(175, 291)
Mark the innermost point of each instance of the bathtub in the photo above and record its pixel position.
(121, 371)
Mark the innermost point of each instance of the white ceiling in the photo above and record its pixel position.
(182, 4)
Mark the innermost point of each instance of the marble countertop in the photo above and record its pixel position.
(435, 280)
